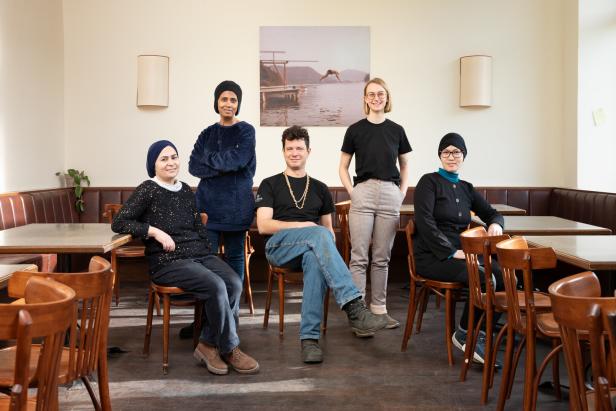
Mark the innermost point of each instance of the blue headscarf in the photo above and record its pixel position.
(153, 153)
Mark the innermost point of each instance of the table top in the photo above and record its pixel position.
(7, 270)
(504, 209)
(546, 225)
(61, 238)
(589, 252)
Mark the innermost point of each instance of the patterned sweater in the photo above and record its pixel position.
(175, 213)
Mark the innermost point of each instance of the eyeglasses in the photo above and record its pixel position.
(371, 96)
(455, 154)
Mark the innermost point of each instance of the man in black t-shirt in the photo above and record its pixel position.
(295, 210)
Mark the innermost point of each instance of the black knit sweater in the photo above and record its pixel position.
(175, 213)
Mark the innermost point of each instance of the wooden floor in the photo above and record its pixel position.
(356, 374)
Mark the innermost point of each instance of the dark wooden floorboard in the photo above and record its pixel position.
(356, 374)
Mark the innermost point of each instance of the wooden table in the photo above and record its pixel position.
(504, 209)
(7, 270)
(546, 225)
(61, 239)
(589, 252)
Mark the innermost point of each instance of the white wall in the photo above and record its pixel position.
(597, 90)
(415, 46)
(31, 94)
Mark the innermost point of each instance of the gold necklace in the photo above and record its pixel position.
(302, 199)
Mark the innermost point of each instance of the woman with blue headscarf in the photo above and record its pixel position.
(162, 212)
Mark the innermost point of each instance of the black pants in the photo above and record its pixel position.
(454, 270)
(214, 282)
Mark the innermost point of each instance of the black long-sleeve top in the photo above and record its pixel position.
(442, 212)
(175, 213)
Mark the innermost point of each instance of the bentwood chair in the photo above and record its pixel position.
(286, 275)
(86, 352)
(514, 255)
(418, 300)
(132, 250)
(478, 247)
(587, 320)
(44, 315)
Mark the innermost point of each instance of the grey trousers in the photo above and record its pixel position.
(373, 219)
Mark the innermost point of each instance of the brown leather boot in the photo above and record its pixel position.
(210, 356)
(242, 362)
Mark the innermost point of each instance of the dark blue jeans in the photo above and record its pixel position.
(234, 248)
(212, 281)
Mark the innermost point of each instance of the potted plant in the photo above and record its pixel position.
(77, 180)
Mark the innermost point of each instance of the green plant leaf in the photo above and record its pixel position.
(79, 192)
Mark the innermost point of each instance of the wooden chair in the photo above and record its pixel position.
(163, 292)
(132, 250)
(289, 276)
(585, 320)
(86, 352)
(477, 244)
(342, 214)
(46, 313)
(420, 300)
(515, 255)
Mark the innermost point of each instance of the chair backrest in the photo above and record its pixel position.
(515, 255)
(88, 331)
(110, 211)
(342, 214)
(409, 231)
(478, 245)
(579, 309)
(46, 314)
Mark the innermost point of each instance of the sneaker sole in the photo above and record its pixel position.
(462, 347)
(363, 333)
(392, 325)
(250, 371)
(202, 360)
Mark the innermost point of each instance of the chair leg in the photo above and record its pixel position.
(504, 387)
(530, 368)
(268, 298)
(423, 305)
(556, 372)
(157, 302)
(449, 318)
(95, 403)
(470, 339)
(497, 343)
(410, 314)
(166, 315)
(325, 311)
(552, 355)
(488, 360)
(280, 304)
(516, 361)
(198, 322)
(116, 278)
(247, 286)
(148, 324)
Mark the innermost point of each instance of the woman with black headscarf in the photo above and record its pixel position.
(443, 205)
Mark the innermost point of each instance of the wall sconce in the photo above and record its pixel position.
(152, 81)
(476, 81)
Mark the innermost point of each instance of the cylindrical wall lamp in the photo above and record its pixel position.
(476, 81)
(152, 81)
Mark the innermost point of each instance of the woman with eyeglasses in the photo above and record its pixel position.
(379, 146)
(443, 205)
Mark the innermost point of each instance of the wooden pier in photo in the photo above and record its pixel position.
(280, 93)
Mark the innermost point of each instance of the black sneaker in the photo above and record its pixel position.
(459, 341)
(311, 352)
(363, 322)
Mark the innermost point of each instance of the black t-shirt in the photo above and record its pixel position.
(376, 148)
(274, 192)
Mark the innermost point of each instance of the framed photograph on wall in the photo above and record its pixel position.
(313, 76)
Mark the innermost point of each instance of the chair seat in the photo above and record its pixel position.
(7, 361)
(439, 284)
(547, 325)
(542, 301)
